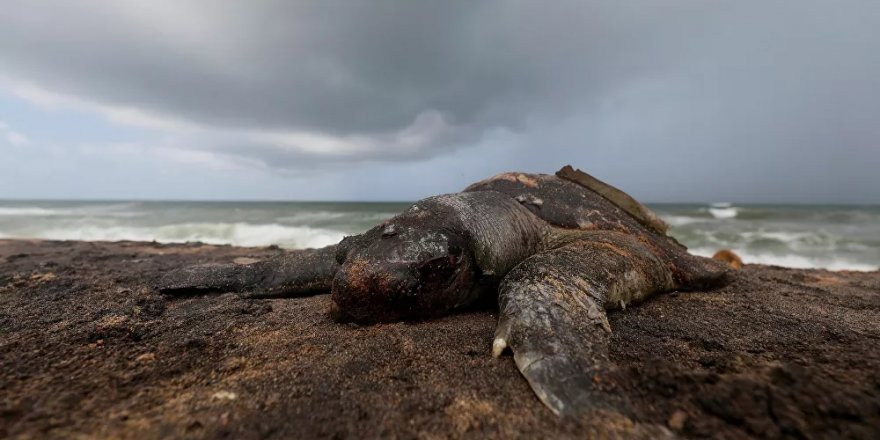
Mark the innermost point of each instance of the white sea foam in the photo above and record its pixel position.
(112, 210)
(28, 211)
(792, 260)
(825, 237)
(783, 236)
(681, 220)
(238, 234)
(723, 211)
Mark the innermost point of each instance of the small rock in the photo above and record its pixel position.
(146, 357)
(225, 395)
(42, 277)
(677, 420)
(231, 364)
(113, 320)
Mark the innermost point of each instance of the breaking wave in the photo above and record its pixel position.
(97, 210)
(723, 210)
(27, 211)
(835, 238)
(791, 260)
(681, 220)
(828, 237)
(238, 234)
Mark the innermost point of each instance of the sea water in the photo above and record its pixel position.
(831, 237)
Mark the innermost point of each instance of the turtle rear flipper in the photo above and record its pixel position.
(296, 273)
(552, 316)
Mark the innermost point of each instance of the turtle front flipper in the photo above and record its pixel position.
(296, 273)
(552, 315)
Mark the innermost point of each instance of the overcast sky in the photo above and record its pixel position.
(674, 100)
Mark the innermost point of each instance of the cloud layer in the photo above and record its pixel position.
(676, 91)
(12, 137)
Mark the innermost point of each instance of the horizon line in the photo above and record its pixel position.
(151, 200)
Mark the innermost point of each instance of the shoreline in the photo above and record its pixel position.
(748, 258)
(822, 236)
(89, 349)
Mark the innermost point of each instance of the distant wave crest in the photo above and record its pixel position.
(682, 220)
(830, 237)
(108, 210)
(238, 234)
(27, 211)
(723, 211)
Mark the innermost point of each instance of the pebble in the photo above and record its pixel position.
(146, 357)
(677, 420)
(225, 395)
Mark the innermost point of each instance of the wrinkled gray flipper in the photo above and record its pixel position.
(552, 315)
(295, 273)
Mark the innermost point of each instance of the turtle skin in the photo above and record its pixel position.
(557, 251)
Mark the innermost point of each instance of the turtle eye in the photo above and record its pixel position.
(389, 231)
(454, 250)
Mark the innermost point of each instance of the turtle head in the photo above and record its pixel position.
(401, 272)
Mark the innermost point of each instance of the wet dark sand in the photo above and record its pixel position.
(87, 349)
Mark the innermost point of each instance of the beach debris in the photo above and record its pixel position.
(677, 420)
(146, 357)
(224, 395)
(729, 257)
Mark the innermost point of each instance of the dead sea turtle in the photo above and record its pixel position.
(557, 250)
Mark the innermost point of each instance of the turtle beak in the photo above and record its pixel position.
(367, 292)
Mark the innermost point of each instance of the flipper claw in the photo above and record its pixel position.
(498, 347)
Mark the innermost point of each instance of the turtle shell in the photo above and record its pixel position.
(572, 206)
(566, 204)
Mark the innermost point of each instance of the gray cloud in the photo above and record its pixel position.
(743, 95)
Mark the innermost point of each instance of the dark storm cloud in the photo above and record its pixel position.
(766, 91)
(331, 66)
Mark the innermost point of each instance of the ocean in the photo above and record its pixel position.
(831, 237)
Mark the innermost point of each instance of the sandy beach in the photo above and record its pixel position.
(89, 350)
